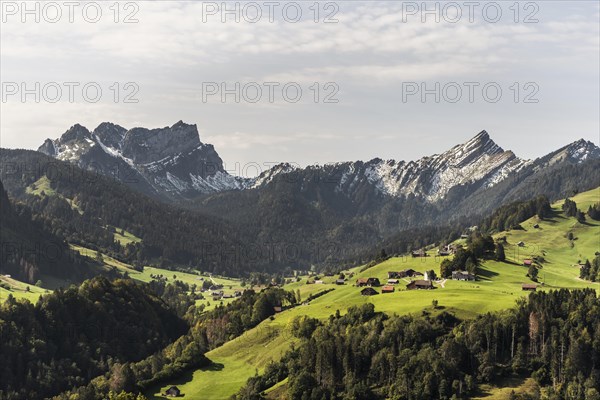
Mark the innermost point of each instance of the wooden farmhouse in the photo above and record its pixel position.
(420, 284)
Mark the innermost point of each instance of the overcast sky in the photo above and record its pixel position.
(371, 61)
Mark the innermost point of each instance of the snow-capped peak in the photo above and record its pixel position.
(171, 160)
(576, 152)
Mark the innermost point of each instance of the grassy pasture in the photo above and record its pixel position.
(498, 287)
(229, 284)
(43, 187)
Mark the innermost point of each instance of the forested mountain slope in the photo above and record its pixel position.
(29, 250)
(71, 336)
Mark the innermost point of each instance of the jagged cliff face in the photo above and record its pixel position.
(169, 162)
(479, 160)
(173, 163)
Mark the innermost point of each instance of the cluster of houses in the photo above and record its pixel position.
(445, 251)
(368, 284)
(448, 250)
(220, 295)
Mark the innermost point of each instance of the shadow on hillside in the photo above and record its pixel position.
(553, 218)
(588, 223)
(214, 367)
(486, 274)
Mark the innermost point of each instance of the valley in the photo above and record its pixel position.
(498, 287)
(412, 211)
(188, 258)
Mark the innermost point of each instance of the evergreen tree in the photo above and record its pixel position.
(532, 273)
(500, 255)
(584, 272)
(569, 207)
(594, 212)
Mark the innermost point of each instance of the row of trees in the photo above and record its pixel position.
(510, 216)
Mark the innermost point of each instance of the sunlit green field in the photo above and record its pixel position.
(19, 290)
(498, 287)
(229, 284)
(124, 237)
(503, 389)
(42, 187)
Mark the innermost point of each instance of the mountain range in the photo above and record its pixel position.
(172, 163)
(171, 191)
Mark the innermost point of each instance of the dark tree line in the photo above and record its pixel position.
(511, 215)
(553, 337)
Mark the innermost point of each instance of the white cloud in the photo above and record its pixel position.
(171, 51)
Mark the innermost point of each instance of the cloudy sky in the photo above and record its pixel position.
(377, 79)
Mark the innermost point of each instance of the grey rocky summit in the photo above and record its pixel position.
(170, 162)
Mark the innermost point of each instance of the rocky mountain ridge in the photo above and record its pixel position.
(172, 163)
(169, 162)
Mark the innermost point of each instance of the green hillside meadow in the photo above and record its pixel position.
(498, 287)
